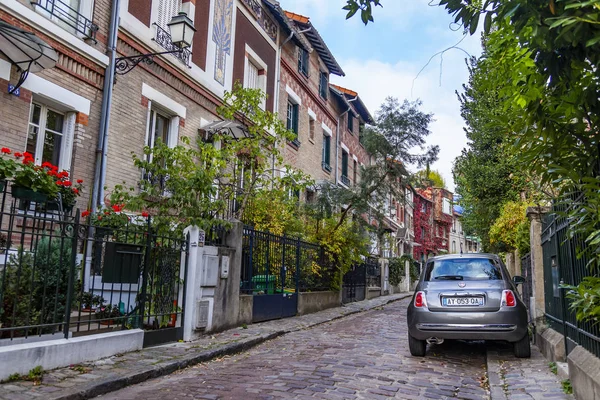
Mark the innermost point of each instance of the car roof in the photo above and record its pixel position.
(464, 255)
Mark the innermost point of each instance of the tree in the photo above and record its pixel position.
(397, 139)
(427, 178)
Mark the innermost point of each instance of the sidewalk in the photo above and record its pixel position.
(103, 376)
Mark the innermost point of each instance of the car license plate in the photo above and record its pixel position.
(462, 301)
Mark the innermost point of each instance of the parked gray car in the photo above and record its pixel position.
(469, 297)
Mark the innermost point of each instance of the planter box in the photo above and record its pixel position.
(23, 193)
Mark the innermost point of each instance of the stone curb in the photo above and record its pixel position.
(110, 385)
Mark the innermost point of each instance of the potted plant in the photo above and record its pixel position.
(33, 182)
(67, 191)
(108, 220)
(109, 315)
(8, 167)
(90, 301)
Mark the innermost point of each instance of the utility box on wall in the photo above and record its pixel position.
(210, 271)
(203, 309)
(224, 267)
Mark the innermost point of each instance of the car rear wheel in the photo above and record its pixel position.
(417, 347)
(522, 348)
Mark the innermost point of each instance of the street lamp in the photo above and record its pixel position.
(181, 30)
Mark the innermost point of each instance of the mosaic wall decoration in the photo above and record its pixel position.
(222, 37)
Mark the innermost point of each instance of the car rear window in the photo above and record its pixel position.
(467, 269)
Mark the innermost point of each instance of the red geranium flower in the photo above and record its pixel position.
(75, 190)
(46, 164)
(67, 183)
(117, 207)
(145, 214)
(27, 160)
(85, 213)
(27, 155)
(18, 155)
(5, 150)
(59, 183)
(80, 181)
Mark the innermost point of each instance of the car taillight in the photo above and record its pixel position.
(420, 300)
(508, 298)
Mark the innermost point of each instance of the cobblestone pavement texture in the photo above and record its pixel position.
(364, 356)
(520, 379)
(361, 356)
(89, 379)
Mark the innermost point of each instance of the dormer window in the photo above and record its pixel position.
(323, 85)
(303, 61)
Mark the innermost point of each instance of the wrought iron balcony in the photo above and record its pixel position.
(345, 180)
(163, 38)
(64, 14)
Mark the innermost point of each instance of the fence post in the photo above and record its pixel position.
(192, 234)
(142, 305)
(560, 289)
(298, 264)
(70, 284)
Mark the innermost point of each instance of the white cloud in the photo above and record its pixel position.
(375, 80)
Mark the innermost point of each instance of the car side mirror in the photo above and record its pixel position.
(518, 280)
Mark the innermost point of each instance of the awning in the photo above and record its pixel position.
(231, 128)
(25, 50)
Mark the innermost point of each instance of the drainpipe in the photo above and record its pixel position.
(109, 76)
(338, 140)
(101, 151)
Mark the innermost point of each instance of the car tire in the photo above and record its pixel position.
(522, 348)
(417, 347)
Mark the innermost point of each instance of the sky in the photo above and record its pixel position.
(384, 59)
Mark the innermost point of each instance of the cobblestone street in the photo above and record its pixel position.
(362, 356)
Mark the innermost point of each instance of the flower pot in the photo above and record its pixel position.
(24, 193)
(55, 206)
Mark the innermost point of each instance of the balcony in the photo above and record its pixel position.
(163, 38)
(345, 180)
(67, 17)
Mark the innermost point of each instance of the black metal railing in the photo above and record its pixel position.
(345, 180)
(163, 38)
(373, 272)
(526, 272)
(63, 13)
(565, 264)
(65, 274)
(282, 264)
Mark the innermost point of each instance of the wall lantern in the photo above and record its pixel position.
(181, 30)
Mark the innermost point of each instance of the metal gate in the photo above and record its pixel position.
(526, 273)
(354, 284)
(270, 273)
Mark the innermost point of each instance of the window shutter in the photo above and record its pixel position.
(251, 76)
(173, 132)
(166, 10)
(66, 153)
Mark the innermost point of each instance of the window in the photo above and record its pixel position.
(355, 172)
(422, 233)
(159, 128)
(310, 196)
(467, 269)
(423, 207)
(351, 122)
(71, 15)
(454, 246)
(303, 61)
(292, 118)
(251, 76)
(447, 206)
(46, 134)
(166, 10)
(323, 85)
(326, 152)
(345, 179)
(361, 136)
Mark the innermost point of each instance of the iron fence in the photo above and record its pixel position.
(64, 274)
(527, 290)
(564, 264)
(283, 264)
(64, 14)
(373, 272)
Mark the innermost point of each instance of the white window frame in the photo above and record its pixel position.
(251, 58)
(447, 206)
(68, 132)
